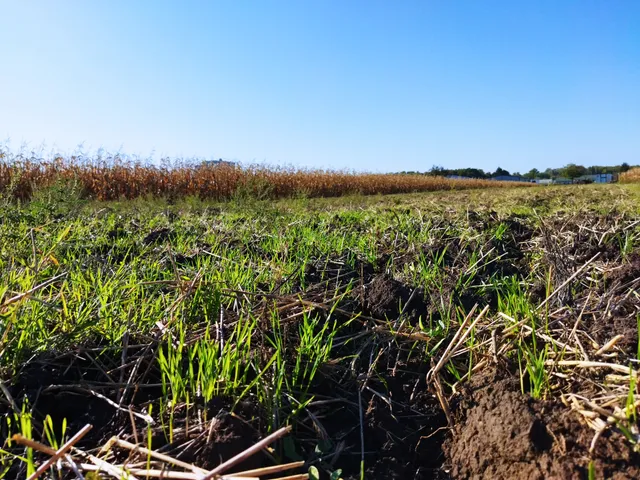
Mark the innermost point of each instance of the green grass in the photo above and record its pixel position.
(209, 293)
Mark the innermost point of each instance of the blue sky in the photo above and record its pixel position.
(365, 85)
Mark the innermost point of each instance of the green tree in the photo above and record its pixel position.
(533, 173)
(573, 171)
(500, 172)
(438, 170)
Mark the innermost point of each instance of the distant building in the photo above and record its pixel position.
(562, 181)
(597, 178)
(510, 178)
(543, 181)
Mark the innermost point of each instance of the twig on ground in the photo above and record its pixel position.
(61, 452)
(247, 453)
(567, 281)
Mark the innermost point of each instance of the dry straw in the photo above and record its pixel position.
(116, 179)
(630, 176)
(164, 469)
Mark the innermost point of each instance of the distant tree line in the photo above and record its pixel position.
(570, 170)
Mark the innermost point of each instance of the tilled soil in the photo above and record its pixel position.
(389, 298)
(379, 410)
(502, 434)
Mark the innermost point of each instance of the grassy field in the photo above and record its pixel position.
(488, 333)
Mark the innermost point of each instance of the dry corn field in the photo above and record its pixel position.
(115, 179)
(631, 176)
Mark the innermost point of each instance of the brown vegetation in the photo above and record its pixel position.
(115, 179)
(630, 176)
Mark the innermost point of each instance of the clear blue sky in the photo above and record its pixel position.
(365, 85)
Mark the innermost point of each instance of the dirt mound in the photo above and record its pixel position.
(158, 236)
(230, 434)
(402, 439)
(503, 434)
(628, 272)
(386, 297)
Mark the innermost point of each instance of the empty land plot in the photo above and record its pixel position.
(487, 334)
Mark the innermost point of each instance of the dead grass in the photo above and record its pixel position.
(630, 176)
(116, 179)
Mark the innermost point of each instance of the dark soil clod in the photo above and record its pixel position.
(503, 434)
(386, 297)
(158, 236)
